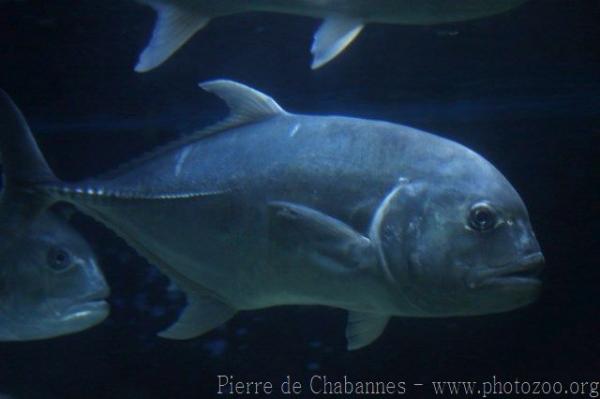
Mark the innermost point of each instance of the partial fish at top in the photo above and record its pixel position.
(178, 20)
(270, 208)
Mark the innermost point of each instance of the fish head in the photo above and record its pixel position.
(460, 242)
(50, 282)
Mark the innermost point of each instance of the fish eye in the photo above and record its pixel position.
(58, 259)
(482, 217)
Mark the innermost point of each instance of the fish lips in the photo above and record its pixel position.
(89, 311)
(520, 274)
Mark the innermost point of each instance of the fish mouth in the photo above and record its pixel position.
(523, 272)
(90, 310)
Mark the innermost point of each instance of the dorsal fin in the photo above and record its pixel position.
(246, 105)
(21, 157)
(23, 169)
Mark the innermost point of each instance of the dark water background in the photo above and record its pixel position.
(522, 89)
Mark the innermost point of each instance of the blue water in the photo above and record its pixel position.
(522, 89)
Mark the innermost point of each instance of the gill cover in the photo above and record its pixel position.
(393, 221)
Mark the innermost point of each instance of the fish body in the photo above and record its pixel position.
(424, 12)
(270, 208)
(178, 20)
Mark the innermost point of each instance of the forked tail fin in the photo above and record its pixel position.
(24, 170)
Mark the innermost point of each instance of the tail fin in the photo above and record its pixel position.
(174, 26)
(24, 169)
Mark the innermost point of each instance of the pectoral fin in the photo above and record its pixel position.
(364, 328)
(202, 314)
(328, 241)
(332, 37)
(174, 27)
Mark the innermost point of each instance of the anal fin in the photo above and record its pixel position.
(364, 328)
(332, 37)
(202, 314)
(173, 28)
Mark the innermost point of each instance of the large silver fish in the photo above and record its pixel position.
(178, 20)
(271, 208)
(50, 282)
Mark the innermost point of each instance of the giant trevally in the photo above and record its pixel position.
(179, 20)
(50, 282)
(271, 208)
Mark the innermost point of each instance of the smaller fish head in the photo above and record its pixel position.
(50, 283)
(462, 247)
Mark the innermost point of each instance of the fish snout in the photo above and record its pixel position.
(524, 271)
(90, 309)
